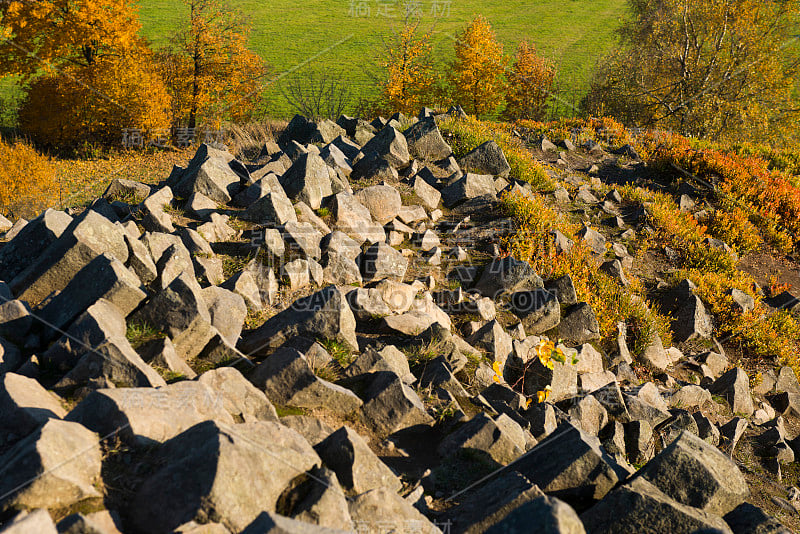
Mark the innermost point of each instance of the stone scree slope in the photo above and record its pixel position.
(323, 340)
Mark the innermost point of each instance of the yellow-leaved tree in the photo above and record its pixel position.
(90, 76)
(210, 72)
(409, 72)
(721, 69)
(530, 84)
(478, 73)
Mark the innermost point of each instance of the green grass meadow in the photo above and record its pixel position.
(344, 38)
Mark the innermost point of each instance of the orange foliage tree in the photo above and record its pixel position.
(409, 73)
(90, 75)
(27, 180)
(210, 72)
(721, 69)
(477, 77)
(96, 103)
(530, 83)
(57, 33)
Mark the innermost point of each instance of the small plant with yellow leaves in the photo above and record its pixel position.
(547, 352)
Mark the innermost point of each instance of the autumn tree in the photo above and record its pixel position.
(477, 76)
(89, 74)
(407, 61)
(210, 72)
(530, 83)
(56, 34)
(720, 69)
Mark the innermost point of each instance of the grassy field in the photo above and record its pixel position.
(329, 36)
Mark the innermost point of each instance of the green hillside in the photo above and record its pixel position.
(326, 37)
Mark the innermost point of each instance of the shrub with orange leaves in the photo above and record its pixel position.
(477, 76)
(96, 103)
(732, 225)
(409, 73)
(769, 195)
(530, 84)
(27, 180)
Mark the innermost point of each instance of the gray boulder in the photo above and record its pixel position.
(319, 500)
(146, 416)
(272, 209)
(381, 261)
(428, 194)
(312, 428)
(692, 321)
(26, 247)
(308, 179)
(24, 406)
(113, 361)
(572, 466)
(697, 474)
(324, 314)
(127, 191)
(564, 289)
(468, 187)
(425, 141)
(356, 466)
(287, 379)
(55, 467)
(538, 310)
(154, 219)
(305, 237)
(390, 405)
(305, 131)
(103, 278)
(382, 201)
(244, 284)
(101, 321)
(211, 173)
(227, 311)
(487, 158)
(390, 145)
(272, 523)
(242, 400)
(506, 275)
(87, 237)
(214, 469)
(502, 440)
(735, 387)
(638, 506)
(749, 519)
(181, 312)
(593, 239)
(488, 504)
(388, 358)
(340, 270)
(550, 515)
(140, 261)
(369, 509)
(38, 521)
(579, 324)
